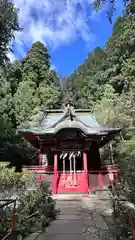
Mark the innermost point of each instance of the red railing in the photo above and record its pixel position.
(111, 171)
(39, 168)
(4, 203)
(100, 179)
(132, 222)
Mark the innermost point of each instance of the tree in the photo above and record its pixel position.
(36, 64)
(120, 53)
(8, 25)
(49, 96)
(14, 75)
(39, 86)
(6, 110)
(85, 82)
(129, 7)
(25, 100)
(106, 84)
(104, 108)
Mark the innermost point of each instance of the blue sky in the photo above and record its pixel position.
(69, 28)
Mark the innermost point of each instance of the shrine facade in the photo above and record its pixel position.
(73, 138)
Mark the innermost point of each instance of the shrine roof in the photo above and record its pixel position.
(54, 121)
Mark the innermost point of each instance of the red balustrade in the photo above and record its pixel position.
(96, 179)
(102, 179)
(4, 203)
(132, 222)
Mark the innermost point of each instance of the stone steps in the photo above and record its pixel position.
(78, 220)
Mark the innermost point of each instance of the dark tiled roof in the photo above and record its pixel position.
(56, 120)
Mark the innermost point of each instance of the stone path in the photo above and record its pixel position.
(79, 219)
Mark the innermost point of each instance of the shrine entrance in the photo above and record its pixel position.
(71, 176)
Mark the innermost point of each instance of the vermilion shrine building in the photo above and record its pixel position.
(74, 138)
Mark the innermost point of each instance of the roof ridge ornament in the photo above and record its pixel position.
(71, 111)
(69, 104)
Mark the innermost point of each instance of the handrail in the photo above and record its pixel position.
(8, 202)
(108, 168)
(14, 213)
(102, 171)
(132, 218)
(38, 167)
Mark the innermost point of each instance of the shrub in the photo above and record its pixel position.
(10, 179)
(36, 208)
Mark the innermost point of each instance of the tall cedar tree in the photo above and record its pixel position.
(8, 26)
(39, 86)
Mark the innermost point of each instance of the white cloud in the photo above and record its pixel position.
(53, 67)
(54, 22)
(11, 56)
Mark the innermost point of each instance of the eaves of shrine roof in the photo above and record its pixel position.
(54, 121)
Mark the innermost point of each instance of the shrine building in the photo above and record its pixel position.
(74, 138)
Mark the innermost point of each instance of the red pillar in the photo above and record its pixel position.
(85, 172)
(40, 164)
(55, 174)
(100, 180)
(117, 178)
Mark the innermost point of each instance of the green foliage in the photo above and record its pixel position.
(84, 81)
(14, 75)
(39, 86)
(8, 25)
(3, 163)
(104, 108)
(25, 100)
(6, 110)
(11, 182)
(36, 64)
(112, 6)
(112, 65)
(40, 202)
(9, 179)
(49, 96)
(27, 88)
(5, 216)
(106, 85)
(6, 101)
(35, 208)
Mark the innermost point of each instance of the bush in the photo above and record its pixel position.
(11, 180)
(36, 208)
(123, 224)
(35, 211)
(4, 163)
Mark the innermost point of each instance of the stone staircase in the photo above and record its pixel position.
(80, 218)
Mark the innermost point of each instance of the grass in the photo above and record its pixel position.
(4, 163)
